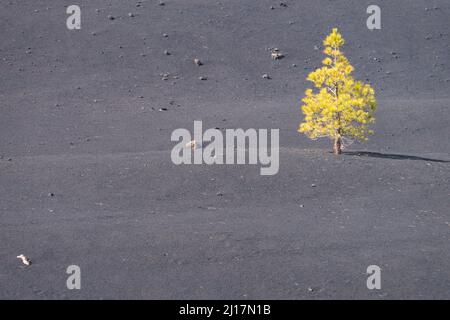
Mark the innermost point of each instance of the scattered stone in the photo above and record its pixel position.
(165, 35)
(266, 76)
(166, 52)
(313, 185)
(110, 17)
(131, 15)
(283, 4)
(192, 144)
(202, 78)
(161, 3)
(198, 62)
(24, 259)
(165, 76)
(162, 109)
(51, 194)
(276, 54)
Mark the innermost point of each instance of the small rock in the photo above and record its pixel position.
(110, 17)
(131, 15)
(276, 54)
(198, 62)
(202, 78)
(162, 109)
(192, 144)
(24, 259)
(266, 76)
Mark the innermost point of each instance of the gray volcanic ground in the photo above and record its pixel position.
(86, 176)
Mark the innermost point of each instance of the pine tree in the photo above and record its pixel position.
(341, 107)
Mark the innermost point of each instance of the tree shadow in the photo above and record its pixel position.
(390, 156)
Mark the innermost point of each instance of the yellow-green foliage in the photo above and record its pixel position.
(339, 106)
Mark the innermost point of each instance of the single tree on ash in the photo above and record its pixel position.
(340, 107)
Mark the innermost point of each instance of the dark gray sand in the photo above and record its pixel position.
(86, 176)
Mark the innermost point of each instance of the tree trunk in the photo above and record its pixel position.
(337, 149)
